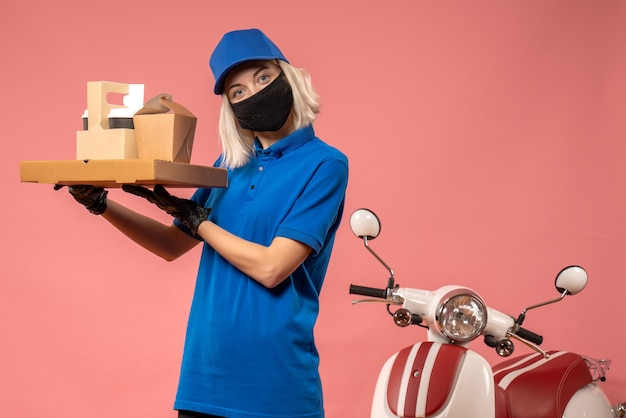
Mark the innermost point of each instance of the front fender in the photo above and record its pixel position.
(431, 379)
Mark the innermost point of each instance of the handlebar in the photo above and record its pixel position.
(368, 291)
(382, 294)
(530, 336)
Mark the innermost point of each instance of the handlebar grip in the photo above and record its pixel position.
(368, 291)
(530, 336)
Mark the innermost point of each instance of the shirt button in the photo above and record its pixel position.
(260, 168)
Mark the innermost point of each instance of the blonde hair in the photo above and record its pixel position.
(238, 143)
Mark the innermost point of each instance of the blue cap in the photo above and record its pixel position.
(237, 47)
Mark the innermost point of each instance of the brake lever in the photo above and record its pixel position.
(385, 301)
(528, 344)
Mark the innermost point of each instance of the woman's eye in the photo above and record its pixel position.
(264, 78)
(237, 93)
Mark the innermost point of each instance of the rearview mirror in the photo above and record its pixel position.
(572, 279)
(365, 224)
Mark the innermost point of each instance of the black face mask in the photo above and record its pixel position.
(267, 110)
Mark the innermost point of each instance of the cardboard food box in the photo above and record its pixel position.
(155, 149)
(114, 173)
(164, 130)
(99, 141)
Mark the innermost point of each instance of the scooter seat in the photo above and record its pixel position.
(533, 386)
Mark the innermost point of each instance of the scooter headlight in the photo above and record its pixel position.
(462, 315)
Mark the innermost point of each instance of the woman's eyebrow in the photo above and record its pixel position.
(261, 69)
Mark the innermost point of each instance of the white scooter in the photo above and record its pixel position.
(442, 377)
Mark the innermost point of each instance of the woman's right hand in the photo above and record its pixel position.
(93, 198)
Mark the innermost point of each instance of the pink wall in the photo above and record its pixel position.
(489, 136)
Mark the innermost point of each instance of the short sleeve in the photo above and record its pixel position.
(319, 205)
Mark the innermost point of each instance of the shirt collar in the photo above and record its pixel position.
(289, 143)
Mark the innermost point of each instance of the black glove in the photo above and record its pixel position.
(93, 198)
(188, 212)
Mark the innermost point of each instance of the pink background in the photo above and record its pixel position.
(489, 136)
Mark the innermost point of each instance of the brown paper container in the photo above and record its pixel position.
(164, 130)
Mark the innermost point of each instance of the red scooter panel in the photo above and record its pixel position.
(538, 387)
(424, 366)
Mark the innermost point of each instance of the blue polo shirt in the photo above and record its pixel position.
(249, 350)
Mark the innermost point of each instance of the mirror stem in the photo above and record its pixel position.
(391, 278)
(523, 314)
